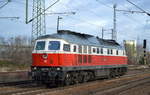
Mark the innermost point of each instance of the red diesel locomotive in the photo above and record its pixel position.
(69, 57)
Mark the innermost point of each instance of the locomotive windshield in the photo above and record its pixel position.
(40, 45)
(54, 45)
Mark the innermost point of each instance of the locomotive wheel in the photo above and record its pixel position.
(119, 72)
(116, 72)
(91, 76)
(75, 78)
(80, 77)
(85, 77)
(112, 73)
(68, 79)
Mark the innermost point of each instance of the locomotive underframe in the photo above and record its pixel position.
(57, 75)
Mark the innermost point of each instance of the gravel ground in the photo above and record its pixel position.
(112, 86)
(139, 90)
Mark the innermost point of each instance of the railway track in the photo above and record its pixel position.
(14, 77)
(15, 83)
(123, 87)
(90, 88)
(19, 88)
(104, 87)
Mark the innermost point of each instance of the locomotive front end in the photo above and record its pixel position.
(46, 61)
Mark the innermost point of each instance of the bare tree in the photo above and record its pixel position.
(17, 50)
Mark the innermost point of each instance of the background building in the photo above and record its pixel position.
(131, 51)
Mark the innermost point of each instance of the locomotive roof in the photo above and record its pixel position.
(82, 39)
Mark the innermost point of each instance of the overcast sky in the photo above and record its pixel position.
(90, 17)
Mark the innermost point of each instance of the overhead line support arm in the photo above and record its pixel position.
(28, 21)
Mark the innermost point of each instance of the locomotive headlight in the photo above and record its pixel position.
(34, 68)
(58, 68)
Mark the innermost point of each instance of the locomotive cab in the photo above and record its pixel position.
(46, 58)
(47, 52)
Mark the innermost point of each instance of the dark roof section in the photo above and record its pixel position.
(82, 39)
(62, 32)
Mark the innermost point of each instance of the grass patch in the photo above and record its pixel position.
(6, 63)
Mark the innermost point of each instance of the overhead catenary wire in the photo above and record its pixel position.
(82, 20)
(41, 12)
(104, 4)
(7, 17)
(90, 11)
(129, 11)
(79, 19)
(4, 4)
(73, 25)
(83, 8)
(138, 7)
(60, 13)
(22, 3)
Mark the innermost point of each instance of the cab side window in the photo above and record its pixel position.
(80, 49)
(89, 49)
(85, 49)
(117, 53)
(66, 47)
(101, 50)
(94, 50)
(98, 51)
(108, 51)
(111, 51)
(74, 48)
